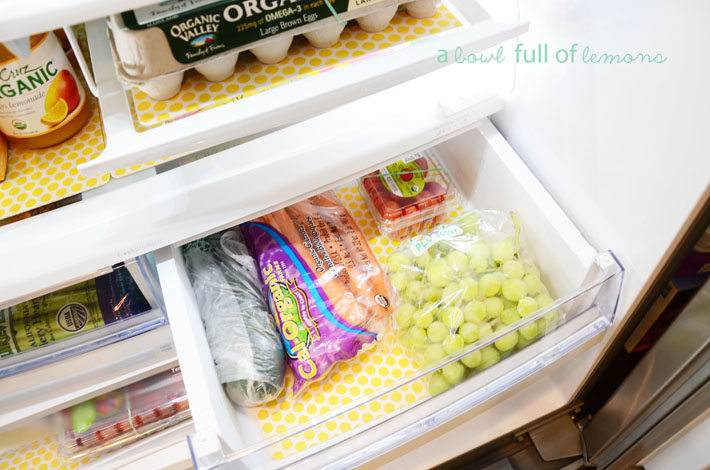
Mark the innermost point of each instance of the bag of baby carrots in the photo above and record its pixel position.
(323, 284)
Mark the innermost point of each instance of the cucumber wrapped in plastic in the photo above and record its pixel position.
(245, 344)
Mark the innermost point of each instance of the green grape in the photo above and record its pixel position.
(489, 284)
(484, 330)
(458, 261)
(469, 332)
(469, 223)
(509, 315)
(433, 353)
(474, 312)
(439, 273)
(422, 261)
(548, 322)
(423, 319)
(529, 331)
(533, 283)
(431, 293)
(514, 289)
(470, 288)
(513, 270)
(530, 268)
(502, 251)
(443, 247)
(453, 373)
(543, 300)
(413, 291)
(507, 342)
(479, 249)
(437, 384)
(526, 306)
(489, 356)
(453, 343)
(452, 294)
(523, 341)
(501, 277)
(472, 360)
(405, 315)
(553, 317)
(417, 336)
(478, 265)
(494, 307)
(431, 307)
(399, 281)
(437, 331)
(413, 274)
(398, 261)
(452, 317)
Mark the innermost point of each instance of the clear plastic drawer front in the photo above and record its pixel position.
(122, 302)
(360, 429)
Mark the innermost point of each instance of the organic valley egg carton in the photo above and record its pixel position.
(154, 46)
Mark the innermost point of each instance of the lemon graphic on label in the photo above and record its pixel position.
(56, 114)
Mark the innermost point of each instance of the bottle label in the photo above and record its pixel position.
(40, 92)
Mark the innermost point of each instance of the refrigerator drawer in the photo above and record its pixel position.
(84, 339)
(335, 433)
(133, 140)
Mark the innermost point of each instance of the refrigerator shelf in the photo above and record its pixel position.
(281, 105)
(320, 429)
(37, 177)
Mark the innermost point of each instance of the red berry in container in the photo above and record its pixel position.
(391, 210)
(409, 210)
(423, 164)
(425, 199)
(436, 190)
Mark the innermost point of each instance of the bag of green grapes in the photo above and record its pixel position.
(463, 282)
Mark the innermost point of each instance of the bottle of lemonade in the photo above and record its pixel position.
(42, 102)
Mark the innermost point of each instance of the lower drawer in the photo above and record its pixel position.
(387, 403)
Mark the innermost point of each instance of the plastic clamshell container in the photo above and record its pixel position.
(122, 416)
(488, 175)
(398, 215)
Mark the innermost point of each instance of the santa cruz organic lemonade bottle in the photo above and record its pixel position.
(42, 102)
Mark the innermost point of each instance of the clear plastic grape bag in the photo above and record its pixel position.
(463, 282)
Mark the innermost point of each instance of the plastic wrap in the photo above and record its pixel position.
(323, 283)
(242, 335)
(461, 283)
(411, 195)
(122, 416)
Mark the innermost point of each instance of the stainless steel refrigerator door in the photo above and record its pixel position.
(666, 390)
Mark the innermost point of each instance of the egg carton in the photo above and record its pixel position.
(144, 58)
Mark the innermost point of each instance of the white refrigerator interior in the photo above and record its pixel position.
(593, 157)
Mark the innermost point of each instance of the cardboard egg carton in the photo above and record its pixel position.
(154, 46)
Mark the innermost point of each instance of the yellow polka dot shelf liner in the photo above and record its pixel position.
(36, 177)
(42, 454)
(348, 381)
(251, 77)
